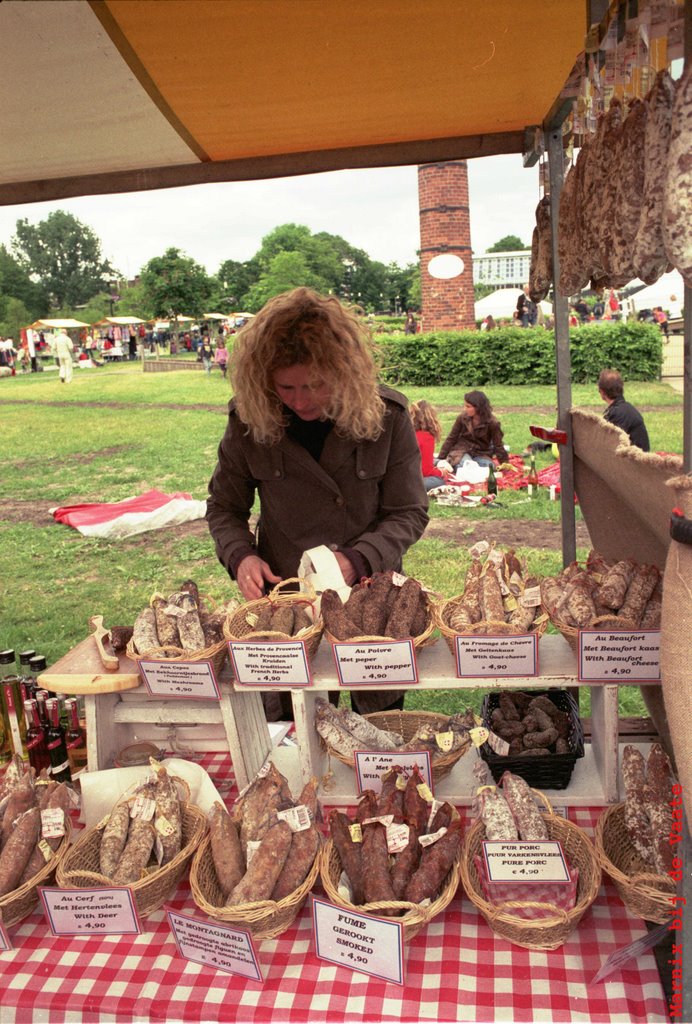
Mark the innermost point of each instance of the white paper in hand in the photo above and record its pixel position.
(319, 568)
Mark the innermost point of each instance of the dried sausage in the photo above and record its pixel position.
(226, 851)
(435, 864)
(265, 867)
(301, 857)
(518, 795)
(18, 849)
(114, 838)
(350, 854)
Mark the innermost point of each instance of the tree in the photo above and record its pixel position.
(16, 283)
(510, 243)
(174, 284)
(286, 270)
(234, 281)
(64, 255)
(13, 317)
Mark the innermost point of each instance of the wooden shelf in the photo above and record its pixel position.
(116, 704)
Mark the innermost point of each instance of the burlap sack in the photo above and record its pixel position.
(622, 491)
(676, 643)
(625, 500)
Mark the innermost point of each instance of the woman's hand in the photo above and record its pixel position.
(347, 570)
(251, 576)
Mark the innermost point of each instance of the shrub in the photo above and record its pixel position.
(515, 355)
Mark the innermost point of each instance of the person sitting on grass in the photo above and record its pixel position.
(476, 435)
(428, 434)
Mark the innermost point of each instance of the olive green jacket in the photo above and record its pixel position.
(367, 495)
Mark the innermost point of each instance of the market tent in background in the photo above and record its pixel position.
(502, 303)
(121, 321)
(51, 324)
(670, 286)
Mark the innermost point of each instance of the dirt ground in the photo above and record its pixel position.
(512, 533)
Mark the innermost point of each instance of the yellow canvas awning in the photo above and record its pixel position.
(112, 95)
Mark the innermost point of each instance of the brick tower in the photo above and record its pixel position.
(445, 230)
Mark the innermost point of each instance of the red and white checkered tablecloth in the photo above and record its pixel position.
(456, 970)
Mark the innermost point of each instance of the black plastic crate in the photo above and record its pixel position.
(552, 771)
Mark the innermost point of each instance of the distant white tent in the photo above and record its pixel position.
(667, 292)
(502, 303)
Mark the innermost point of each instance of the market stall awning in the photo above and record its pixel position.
(65, 324)
(123, 321)
(107, 96)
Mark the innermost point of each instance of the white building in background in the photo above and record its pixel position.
(502, 269)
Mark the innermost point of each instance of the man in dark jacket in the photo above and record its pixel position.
(620, 412)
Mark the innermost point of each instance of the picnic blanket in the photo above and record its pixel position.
(118, 519)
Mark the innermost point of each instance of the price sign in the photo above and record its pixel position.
(371, 765)
(182, 679)
(283, 663)
(215, 945)
(606, 657)
(391, 663)
(525, 862)
(493, 656)
(358, 941)
(91, 911)
(620, 957)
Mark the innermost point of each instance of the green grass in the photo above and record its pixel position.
(115, 432)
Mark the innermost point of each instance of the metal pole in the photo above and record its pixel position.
(562, 357)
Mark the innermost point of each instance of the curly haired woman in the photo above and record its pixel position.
(331, 454)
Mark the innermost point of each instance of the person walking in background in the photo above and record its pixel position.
(619, 412)
(661, 318)
(63, 349)
(489, 323)
(410, 326)
(206, 354)
(526, 310)
(476, 434)
(428, 435)
(221, 355)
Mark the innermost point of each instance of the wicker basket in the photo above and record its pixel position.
(545, 933)
(605, 622)
(424, 639)
(215, 653)
(236, 626)
(643, 892)
(79, 869)
(443, 611)
(19, 903)
(407, 723)
(265, 919)
(412, 916)
(553, 771)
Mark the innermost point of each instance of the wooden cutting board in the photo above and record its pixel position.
(81, 671)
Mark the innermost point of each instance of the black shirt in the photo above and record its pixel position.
(629, 419)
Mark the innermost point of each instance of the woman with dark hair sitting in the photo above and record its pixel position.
(476, 435)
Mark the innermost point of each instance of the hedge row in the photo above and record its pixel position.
(515, 355)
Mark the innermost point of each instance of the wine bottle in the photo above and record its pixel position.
(10, 694)
(27, 682)
(55, 741)
(492, 480)
(532, 476)
(35, 737)
(75, 738)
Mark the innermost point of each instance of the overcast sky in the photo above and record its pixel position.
(375, 210)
